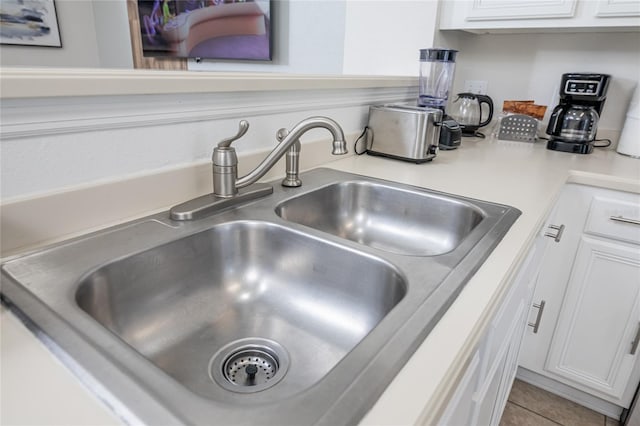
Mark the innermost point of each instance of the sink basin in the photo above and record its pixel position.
(294, 297)
(396, 220)
(296, 308)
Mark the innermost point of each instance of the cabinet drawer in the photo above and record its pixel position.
(617, 218)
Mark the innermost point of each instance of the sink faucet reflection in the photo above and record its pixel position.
(227, 185)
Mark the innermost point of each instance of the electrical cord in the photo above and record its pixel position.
(602, 140)
(476, 134)
(355, 145)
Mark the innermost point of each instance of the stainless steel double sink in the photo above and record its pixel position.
(297, 308)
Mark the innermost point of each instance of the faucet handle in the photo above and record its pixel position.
(242, 129)
(281, 134)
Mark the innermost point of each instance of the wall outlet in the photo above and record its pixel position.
(479, 87)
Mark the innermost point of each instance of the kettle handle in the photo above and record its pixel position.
(484, 99)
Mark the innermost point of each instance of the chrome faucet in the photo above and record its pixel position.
(225, 161)
(226, 183)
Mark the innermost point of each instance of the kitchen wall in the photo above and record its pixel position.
(309, 37)
(384, 38)
(57, 144)
(529, 66)
(344, 37)
(72, 142)
(94, 34)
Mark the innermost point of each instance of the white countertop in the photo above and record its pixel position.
(526, 176)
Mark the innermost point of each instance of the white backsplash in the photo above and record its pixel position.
(530, 66)
(55, 144)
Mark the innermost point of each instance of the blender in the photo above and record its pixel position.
(437, 67)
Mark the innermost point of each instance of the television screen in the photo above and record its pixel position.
(207, 29)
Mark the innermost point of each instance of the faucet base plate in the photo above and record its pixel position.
(209, 204)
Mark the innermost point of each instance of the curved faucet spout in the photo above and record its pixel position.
(339, 146)
(225, 169)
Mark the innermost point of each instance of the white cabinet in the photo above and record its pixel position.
(594, 341)
(496, 10)
(460, 409)
(482, 394)
(547, 15)
(491, 396)
(590, 283)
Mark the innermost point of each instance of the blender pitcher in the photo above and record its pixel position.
(436, 76)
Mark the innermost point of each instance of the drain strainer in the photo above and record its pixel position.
(249, 365)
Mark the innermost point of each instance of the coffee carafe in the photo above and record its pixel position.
(467, 111)
(574, 123)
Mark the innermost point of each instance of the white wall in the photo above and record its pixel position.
(94, 34)
(368, 37)
(166, 131)
(52, 144)
(112, 33)
(308, 38)
(529, 66)
(385, 37)
(78, 36)
(354, 37)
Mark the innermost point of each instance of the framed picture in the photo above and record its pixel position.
(206, 29)
(29, 23)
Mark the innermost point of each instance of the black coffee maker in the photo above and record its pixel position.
(574, 122)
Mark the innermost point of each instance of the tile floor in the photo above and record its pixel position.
(532, 406)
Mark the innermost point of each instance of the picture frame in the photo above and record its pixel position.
(232, 30)
(29, 23)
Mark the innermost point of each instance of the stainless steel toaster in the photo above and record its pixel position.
(404, 132)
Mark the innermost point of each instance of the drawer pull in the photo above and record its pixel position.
(625, 220)
(634, 343)
(556, 237)
(536, 324)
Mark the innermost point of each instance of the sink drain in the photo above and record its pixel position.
(249, 365)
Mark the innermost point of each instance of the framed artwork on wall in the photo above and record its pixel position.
(206, 29)
(29, 23)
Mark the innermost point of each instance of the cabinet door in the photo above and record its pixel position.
(514, 16)
(617, 8)
(551, 283)
(510, 369)
(491, 396)
(492, 10)
(486, 397)
(461, 406)
(594, 344)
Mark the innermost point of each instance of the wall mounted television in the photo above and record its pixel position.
(206, 29)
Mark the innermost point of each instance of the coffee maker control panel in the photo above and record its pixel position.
(582, 87)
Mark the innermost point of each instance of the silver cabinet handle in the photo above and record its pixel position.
(556, 237)
(625, 220)
(636, 340)
(536, 324)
